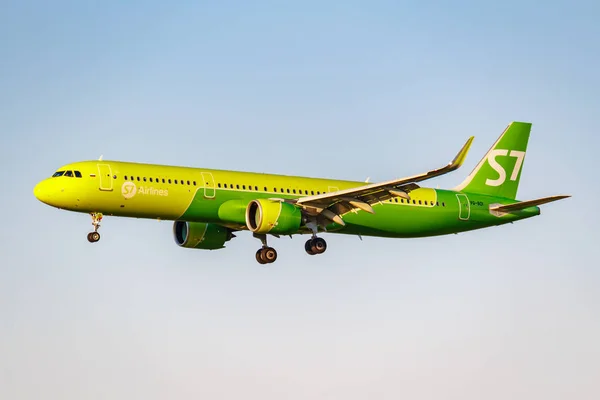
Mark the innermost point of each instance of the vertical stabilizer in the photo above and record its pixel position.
(499, 171)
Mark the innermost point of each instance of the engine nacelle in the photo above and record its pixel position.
(267, 216)
(200, 235)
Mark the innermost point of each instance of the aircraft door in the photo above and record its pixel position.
(209, 185)
(106, 179)
(464, 207)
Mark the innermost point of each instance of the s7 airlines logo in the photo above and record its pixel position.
(519, 155)
(129, 189)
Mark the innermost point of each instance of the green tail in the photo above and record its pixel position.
(499, 171)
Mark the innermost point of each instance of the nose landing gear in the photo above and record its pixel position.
(93, 237)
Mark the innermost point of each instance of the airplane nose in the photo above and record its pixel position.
(40, 191)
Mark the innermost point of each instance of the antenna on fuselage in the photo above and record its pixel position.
(100, 158)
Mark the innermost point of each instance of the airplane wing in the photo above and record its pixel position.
(332, 205)
(524, 204)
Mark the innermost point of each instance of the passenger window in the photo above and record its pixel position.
(318, 192)
(218, 184)
(294, 191)
(138, 178)
(237, 186)
(77, 174)
(419, 202)
(125, 177)
(175, 181)
(188, 182)
(144, 179)
(256, 188)
(265, 188)
(169, 181)
(150, 179)
(163, 180)
(414, 202)
(312, 192)
(288, 190)
(443, 204)
(396, 199)
(244, 187)
(306, 192)
(275, 190)
(282, 191)
(69, 174)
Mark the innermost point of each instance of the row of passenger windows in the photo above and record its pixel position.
(219, 185)
(158, 180)
(420, 202)
(280, 190)
(71, 174)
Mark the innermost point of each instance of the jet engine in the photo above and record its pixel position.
(200, 235)
(275, 217)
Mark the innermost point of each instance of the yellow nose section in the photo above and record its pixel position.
(42, 192)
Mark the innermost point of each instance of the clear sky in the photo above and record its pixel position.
(341, 89)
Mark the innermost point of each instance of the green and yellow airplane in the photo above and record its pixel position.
(209, 205)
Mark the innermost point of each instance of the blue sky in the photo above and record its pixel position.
(348, 90)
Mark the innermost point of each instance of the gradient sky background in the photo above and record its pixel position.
(341, 89)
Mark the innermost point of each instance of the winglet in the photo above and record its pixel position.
(462, 155)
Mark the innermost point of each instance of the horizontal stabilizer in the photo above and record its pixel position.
(524, 204)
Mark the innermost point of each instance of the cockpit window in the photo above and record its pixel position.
(58, 173)
(69, 173)
(77, 174)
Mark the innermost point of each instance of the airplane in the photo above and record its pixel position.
(209, 206)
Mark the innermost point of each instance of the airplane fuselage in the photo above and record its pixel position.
(221, 197)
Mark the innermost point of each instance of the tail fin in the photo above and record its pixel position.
(499, 171)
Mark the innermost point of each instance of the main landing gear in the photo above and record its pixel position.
(315, 245)
(93, 237)
(266, 254)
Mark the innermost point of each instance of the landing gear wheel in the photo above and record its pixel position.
(259, 257)
(266, 254)
(318, 245)
(269, 254)
(308, 247)
(93, 237)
